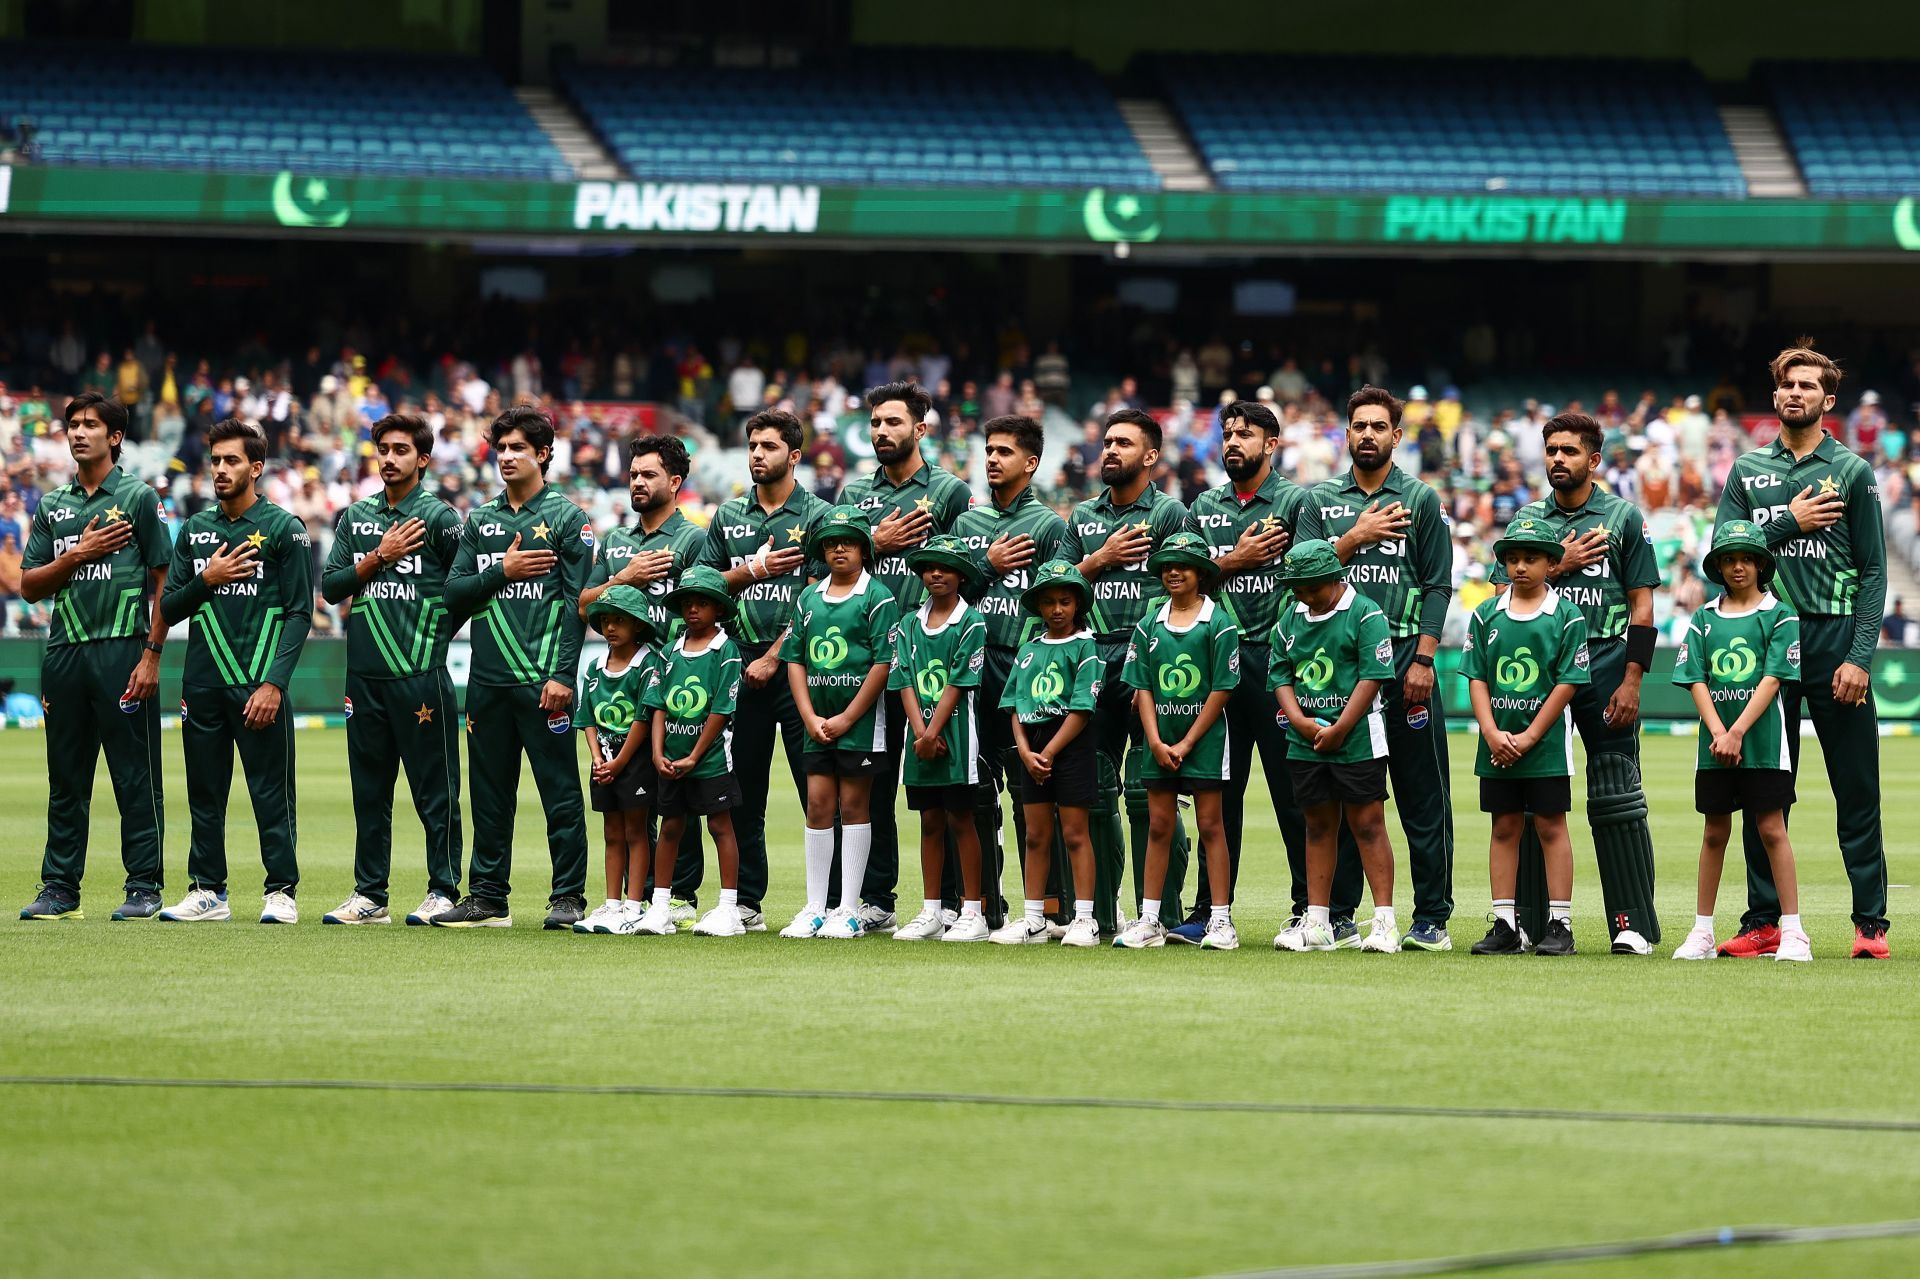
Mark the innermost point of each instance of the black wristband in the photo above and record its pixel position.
(1421, 659)
(152, 647)
(1640, 642)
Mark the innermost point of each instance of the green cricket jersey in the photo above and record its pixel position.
(610, 700)
(980, 526)
(1731, 653)
(1121, 595)
(735, 535)
(1181, 668)
(678, 534)
(930, 661)
(1837, 571)
(1052, 678)
(1253, 598)
(1323, 657)
(688, 687)
(1521, 659)
(523, 632)
(838, 640)
(107, 598)
(1599, 590)
(932, 489)
(398, 624)
(1412, 579)
(251, 631)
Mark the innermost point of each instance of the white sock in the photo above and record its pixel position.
(1320, 915)
(1503, 911)
(637, 901)
(1149, 909)
(819, 846)
(1221, 914)
(930, 904)
(1562, 911)
(1083, 908)
(1790, 924)
(663, 897)
(612, 903)
(970, 908)
(730, 897)
(1703, 923)
(1385, 915)
(855, 843)
(1036, 911)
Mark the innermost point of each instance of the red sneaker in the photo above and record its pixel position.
(1870, 943)
(1760, 939)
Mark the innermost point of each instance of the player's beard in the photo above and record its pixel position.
(1117, 474)
(1808, 419)
(777, 469)
(892, 456)
(654, 503)
(1366, 457)
(1240, 467)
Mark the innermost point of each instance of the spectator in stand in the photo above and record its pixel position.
(1289, 384)
(746, 389)
(1186, 377)
(1448, 412)
(1865, 424)
(1655, 477)
(1897, 628)
(99, 378)
(1052, 375)
(1000, 397)
(1216, 366)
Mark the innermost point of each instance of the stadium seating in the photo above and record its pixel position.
(1539, 126)
(921, 118)
(1854, 126)
(269, 110)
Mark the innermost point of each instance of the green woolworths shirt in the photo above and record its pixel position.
(1253, 598)
(523, 632)
(735, 535)
(939, 492)
(1521, 658)
(688, 687)
(246, 632)
(610, 699)
(838, 641)
(1121, 595)
(1322, 657)
(1052, 678)
(1599, 591)
(930, 661)
(1412, 579)
(1731, 653)
(1181, 668)
(398, 625)
(980, 526)
(105, 599)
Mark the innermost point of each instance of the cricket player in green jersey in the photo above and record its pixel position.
(1013, 532)
(243, 571)
(98, 548)
(523, 561)
(1389, 531)
(1607, 571)
(907, 500)
(650, 555)
(1820, 508)
(1111, 536)
(758, 542)
(1740, 650)
(389, 563)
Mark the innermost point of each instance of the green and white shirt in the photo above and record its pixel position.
(1410, 578)
(1181, 668)
(1521, 658)
(980, 526)
(1122, 594)
(1052, 678)
(251, 631)
(735, 535)
(939, 492)
(678, 534)
(1254, 597)
(1599, 590)
(930, 661)
(397, 625)
(1731, 653)
(1323, 657)
(525, 632)
(610, 700)
(688, 687)
(107, 598)
(838, 640)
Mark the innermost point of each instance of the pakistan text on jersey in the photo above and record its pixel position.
(1802, 548)
(1376, 574)
(390, 591)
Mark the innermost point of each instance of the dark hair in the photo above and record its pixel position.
(1250, 411)
(1134, 417)
(112, 413)
(1802, 352)
(1579, 424)
(792, 434)
(1025, 432)
(530, 422)
(911, 394)
(415, 426)
(232, 428)
(671, 452)
(1375, 395)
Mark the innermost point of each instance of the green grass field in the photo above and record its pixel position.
(277, 1180)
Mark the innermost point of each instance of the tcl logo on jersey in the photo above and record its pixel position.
(1762, 481)
(738, 530)
(61, 514)
(203, 539)
(1213, 521)
(1338, 513)
(493, 530)
(364, 528)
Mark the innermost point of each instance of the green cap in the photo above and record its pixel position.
(1188, 550)
(1313, 560)
(1529, 534)
(628, 601)
(1058, 573)
(702, 581)
(944, 550)
(1738, 535)
(842, 522)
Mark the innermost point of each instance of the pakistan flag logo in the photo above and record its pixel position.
(615, 716)
(931, 682)
(307, 202)
(1047, 685)
(687, 699)
(1181, 678)
(1518, 673)
(826, 652)
(1124, 217)
(1317, 672)
(1736, 662)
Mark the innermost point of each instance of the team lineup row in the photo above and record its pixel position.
(1100, 667)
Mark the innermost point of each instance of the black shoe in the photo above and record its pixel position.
(1502, 939)
(1558, 941)
(54, 902)
(140, 904)
(475, 912)
(565, 912)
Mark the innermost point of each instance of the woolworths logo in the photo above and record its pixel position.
(696, 206)
(1180, 679)
(615, 716)
(827, 651)
(1047, 685)
(1735, 662)
(1517, 674)
(687, 699)
(1317, 671)
(1503, 220)
(932, 681)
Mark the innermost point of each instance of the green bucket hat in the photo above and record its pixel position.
(842, 522)
(702, 582)
(1188, 550)
(1313, 560)
(1529, 534)
(947, 551)
(1058, 573)
(1738, 535)
(629, 601)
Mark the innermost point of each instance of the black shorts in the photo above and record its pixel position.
(1324, 781)
(1544, 795)
(1183, 785)
(631, 790)
(952, 799)
(700, 796)
(1735, 790)
(1075, 782)
(845, 763)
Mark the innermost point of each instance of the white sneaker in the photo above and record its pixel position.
(1698, 945)
(1019, 931)
(655, 921)
(1795, 947)
(602, 919)
(1054, 931)
(200, 904)
(1220, 935)
(965, 928)
(807, 923)
(279, 908)
(1628, 942)
(925, 926)
(1141, 934)
(721, 921)
(1082, 932)
(358, 910)
(1304, 936)
(875, 920)
(752, 921)
(845, 925)
(429, 909)
(682, 913)
(1382, 939)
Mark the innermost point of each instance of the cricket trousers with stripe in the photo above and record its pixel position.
(212, 729)
(81, 686)
(505, 724)
(411, 722)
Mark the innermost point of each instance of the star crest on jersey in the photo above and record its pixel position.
(425, 715)
(256, 539)
(541, 530)
(796, 534)
(113, 513)
(1144, 525)
(923, 504)
(1827, 485)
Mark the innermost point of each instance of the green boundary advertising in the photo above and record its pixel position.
(1087, 219)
